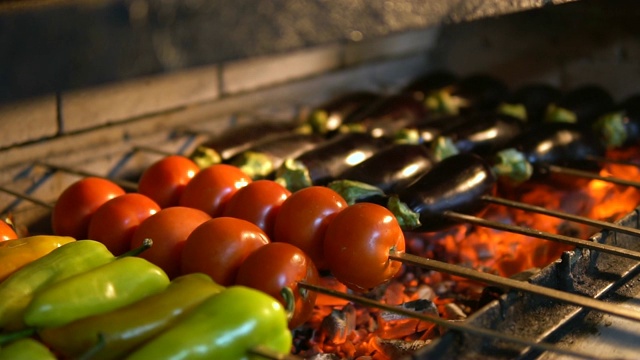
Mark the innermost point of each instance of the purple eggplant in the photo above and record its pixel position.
(386, 116)
(482, 134)
(428, 83)
(391, 169)
(323, 163)
(233, 141)
(530, 102)
(425, 132)
(327, 117)
(584, 104)
(455, 184)
(263, 158)
(476, 92)
(621, 128)
(561, 144)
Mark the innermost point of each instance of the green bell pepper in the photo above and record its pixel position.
(99, 290)
(124, 329)
(225, 326)
(26, 349)
(70, 259)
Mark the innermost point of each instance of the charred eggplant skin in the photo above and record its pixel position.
(456, 184)
(393, 168)
(327, 117)
(584, 104)
(386, 116)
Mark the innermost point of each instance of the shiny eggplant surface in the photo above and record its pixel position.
(324, 162)
(393, 168)
(483, 134)
(386, 116)
(456, 184)
(327, 117)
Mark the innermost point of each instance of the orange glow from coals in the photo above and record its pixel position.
(350, 331)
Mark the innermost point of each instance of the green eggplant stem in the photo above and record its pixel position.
(290, 301)
(146, 244)
(16, 335)
(407, 218)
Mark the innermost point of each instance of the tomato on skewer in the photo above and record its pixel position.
(357, 245)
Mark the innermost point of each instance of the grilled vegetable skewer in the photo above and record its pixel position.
(324, 162)
(233, 141)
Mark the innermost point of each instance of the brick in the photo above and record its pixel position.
(28, 120)
(255, 73)
(122, 101)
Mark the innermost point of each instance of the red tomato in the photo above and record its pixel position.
(219, 246)
(212, 187)
(7, 232)
(275, 266)
(165, 179)
(259, 203)
(357, 245)
(114, 223)
(169, 229)
(303, 219)
(76, 205)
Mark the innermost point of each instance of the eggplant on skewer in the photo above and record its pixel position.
(476, 92)
(422, 86)
(482, 134)
(385, 116)
(584, 104)
(222, 147)
(323, 163)
(385, 172)
(561, 144)
(327, 117)
(529, 102)
(263, 158)
(621, 128)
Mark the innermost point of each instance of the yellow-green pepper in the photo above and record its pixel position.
(122, 330)
(102, 289)
(16, 253)
(225, 326)
(70, 259)
(26, 349)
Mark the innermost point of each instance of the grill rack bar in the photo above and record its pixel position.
(444, 323)
(454, 269)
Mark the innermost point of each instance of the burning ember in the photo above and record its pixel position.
(342, 330)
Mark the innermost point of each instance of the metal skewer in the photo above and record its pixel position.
(461, 327)
(562, 215)
(592, 245)
(127, 185)
(589, 175)
(574, 299)
(612, 161)
(26, 197)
